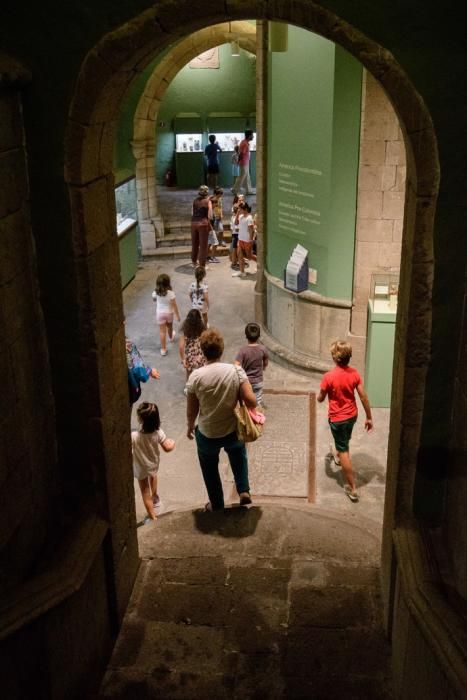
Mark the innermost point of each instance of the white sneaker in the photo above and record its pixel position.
(335, 456)
(157, 505)
(163, 352)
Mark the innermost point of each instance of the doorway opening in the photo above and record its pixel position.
(95, 116)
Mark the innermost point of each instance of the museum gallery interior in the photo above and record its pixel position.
(358, 164)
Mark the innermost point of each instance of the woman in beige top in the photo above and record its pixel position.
(212, 393)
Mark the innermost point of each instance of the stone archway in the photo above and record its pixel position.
(144, 142)
(104, 78)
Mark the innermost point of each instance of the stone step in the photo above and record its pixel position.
(173, 239)
(182, 251)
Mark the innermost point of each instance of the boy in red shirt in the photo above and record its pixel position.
(339, 386)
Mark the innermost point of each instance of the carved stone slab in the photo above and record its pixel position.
(282, 461)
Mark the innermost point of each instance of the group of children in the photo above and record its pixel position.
(340, 385)
(244, 230)
(253, 358)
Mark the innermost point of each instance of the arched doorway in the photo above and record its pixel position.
(144, 142)
(88, 169)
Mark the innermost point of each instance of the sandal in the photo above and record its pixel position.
(208, 507)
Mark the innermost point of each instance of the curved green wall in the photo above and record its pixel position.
(314, 107)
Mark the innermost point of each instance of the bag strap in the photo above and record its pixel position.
(237, 373)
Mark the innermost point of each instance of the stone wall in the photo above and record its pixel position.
(455, 525)
(28, 459)
(380, 203)
(65, 580)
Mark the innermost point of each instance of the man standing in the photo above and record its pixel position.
(244, 164)
(212, 160)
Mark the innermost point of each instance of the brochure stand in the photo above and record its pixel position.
(296, 272)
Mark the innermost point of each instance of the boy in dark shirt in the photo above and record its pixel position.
(254, 359)
(340, 385)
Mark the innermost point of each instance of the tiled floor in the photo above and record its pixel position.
(180, 482)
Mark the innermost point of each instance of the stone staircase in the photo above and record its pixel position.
(176, 242)
(274, 602)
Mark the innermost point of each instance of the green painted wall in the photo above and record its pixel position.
(230, 88)
(128, 250)
(313, 143)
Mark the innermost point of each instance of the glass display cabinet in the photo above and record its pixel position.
(228, 141)
(125, 205)
(384, 288)
(189, 143)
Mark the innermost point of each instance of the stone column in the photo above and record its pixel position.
(261, 166)
(380, 203)
(150, 221)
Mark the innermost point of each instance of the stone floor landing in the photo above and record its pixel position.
(270, 602)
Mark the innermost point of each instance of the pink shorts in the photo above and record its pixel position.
(165, 317)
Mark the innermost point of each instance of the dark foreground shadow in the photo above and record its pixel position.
(332, 471)
(366, 469)
(185, 269)
(238, 521)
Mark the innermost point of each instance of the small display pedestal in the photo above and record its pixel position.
(380, 352)
(296, 272)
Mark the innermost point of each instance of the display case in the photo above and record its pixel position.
(127, 229)
(228, 141)
(384, 288)
(125, 205)
(382, 307)
(192, 143)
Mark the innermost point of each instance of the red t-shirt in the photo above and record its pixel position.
(244, 152)
(340, 385)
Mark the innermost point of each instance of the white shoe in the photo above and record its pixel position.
(163, 352)
(157, 505)
(335, 456)
(236, 274)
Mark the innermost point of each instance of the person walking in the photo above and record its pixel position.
(340, 385)
(212, 393)
(253, 358)
(166, 309)
(235, 165)
(246, 232)
(191, 355)
(138, 371)
(201, 214)
(244, 164)
(145, 448)
(199, 295)
(218, 215)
